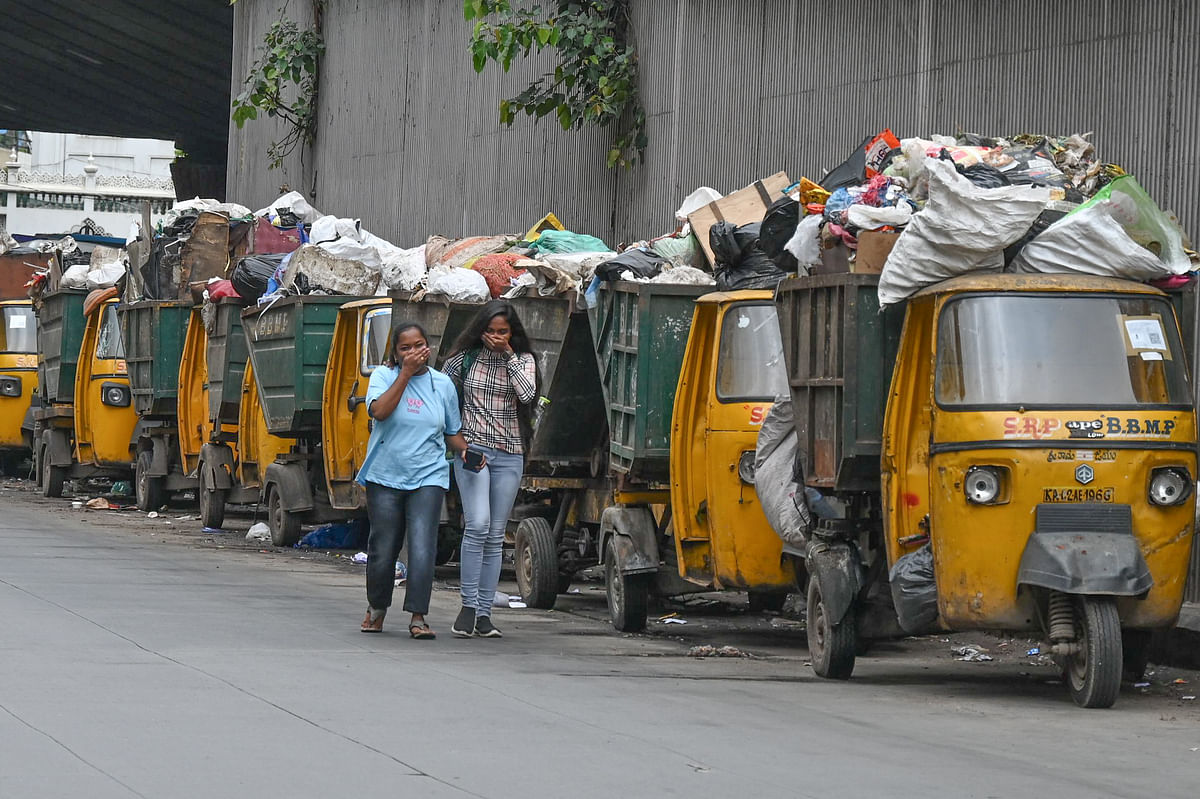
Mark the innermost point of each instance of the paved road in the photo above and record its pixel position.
(134, 668)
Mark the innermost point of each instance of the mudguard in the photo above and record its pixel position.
(1106, 564)
(295, 493)
(160, 457)
(58, 447)
(835, 567)
(634, 536)
(217, 461)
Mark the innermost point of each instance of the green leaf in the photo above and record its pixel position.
(564, 116)
(543, 36)
(479, 61)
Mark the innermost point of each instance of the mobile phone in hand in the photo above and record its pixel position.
(474, 460)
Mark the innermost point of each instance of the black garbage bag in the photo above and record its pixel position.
(984, 176)
(914, 590)
(741, 263)
(251, 274)
(183, 224)
(642, 263)
(1044, 220)
(851, 172)
(778, 226)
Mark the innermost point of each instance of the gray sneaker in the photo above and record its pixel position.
(485, 629)
(464, 625)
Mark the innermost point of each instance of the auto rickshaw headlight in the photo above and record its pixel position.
(1170, 486)
(982, 484)
(115, 394)
(746, 467)
(10, 387)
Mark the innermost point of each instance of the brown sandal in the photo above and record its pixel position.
(373, 622)
(421, 631)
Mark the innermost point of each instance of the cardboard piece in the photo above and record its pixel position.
(873, 250)
(205, 254)
(741, 208)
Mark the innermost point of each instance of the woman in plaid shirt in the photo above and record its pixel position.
(494, 369)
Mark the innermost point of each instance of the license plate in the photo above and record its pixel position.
(1072, 494)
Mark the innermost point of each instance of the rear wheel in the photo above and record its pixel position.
(285, 525)
(628, 595)
(448, 539)
(53, 477)
(212, 501)
(537, 563)
(149, 492)
(831, 646)
(1093, 673)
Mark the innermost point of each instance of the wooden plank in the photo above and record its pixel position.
(741, 208)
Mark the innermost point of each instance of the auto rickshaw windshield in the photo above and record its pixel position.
(108, 343)
(376, 328)
(19, 331)
(750, 359)
(1065, 350)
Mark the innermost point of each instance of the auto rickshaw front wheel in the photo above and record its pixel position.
(628, 595)
(212, 501)
(285, 525)
(149, 492)
(536, 559)
(831, 646)
(53, 477)
(1093, 672)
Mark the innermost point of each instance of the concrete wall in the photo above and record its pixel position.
(409, 142)
(67, 154)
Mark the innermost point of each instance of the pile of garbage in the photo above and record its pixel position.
(918, 211)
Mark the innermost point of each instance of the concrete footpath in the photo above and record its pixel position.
(136, 666)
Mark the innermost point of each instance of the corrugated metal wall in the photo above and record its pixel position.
(734, 91)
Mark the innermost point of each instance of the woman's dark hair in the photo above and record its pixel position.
(472, 339)
(403, 327)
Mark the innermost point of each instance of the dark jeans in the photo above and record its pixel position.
(393, 513)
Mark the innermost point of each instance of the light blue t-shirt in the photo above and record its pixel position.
(407, 449)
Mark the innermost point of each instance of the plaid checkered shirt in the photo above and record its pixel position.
(490, 391)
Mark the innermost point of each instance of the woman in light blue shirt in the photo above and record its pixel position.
(406, 474)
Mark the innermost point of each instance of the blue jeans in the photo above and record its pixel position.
(487, 500)
(393, 514)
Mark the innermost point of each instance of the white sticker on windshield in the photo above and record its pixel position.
(1146, 334)
(16, 322)
(1148, 355)
(743, 320)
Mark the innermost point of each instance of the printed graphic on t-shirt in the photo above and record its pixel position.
(415, 404)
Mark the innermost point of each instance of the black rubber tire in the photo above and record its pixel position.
(1094, 675)
(536, 560)
(628, 595)
(766, 600)
(285, 525)
(212, 501)
(53, 477)
(831, 648)
(10, 464)
(149, 492)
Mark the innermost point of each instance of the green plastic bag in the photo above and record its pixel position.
(564, 241)
(1137, 213)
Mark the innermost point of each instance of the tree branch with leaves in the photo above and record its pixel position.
(283, 83)
(595, 79)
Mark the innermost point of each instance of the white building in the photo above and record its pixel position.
(84, 184)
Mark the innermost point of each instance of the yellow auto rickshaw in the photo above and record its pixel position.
(91, 432)
(1036, 471)
(18, 382)
(662, 496)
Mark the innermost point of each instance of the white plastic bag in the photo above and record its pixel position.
(870, 218)
(805, 243)
(292, 201)
(683, 275)
(962, 228)
(404, 269)
(695, 201)
(105, 275)
(1093, 242)
(459, 285)
(75, 277)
